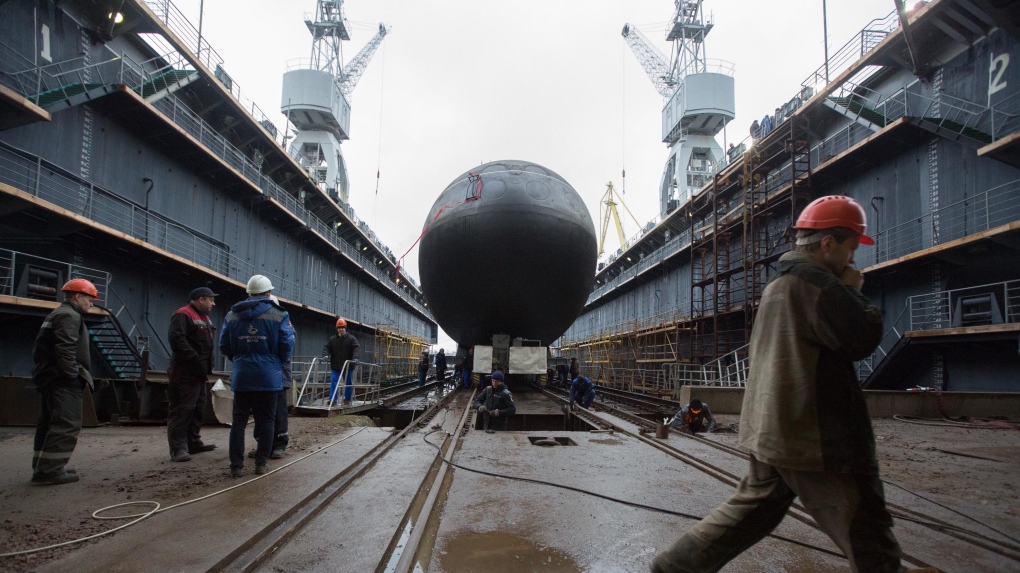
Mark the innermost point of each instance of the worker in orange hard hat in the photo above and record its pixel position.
(803, 419)
(61, 373)
(342, 349)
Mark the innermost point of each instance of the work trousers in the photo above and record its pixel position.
(188, 398)
(281, 424)
(348, 389)
(467, 379)
(586, 400)
(490, 422)
(421, 377)
(262, 405)
(56, 432)
(849, 508)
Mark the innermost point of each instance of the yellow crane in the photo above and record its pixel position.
(607, 208)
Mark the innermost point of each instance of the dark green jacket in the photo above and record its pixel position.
(803, 406)
(62, 350)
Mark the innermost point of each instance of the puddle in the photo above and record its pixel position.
(501, 551)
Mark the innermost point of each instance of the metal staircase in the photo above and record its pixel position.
(111, 342)
(853, 108)
(953, 130)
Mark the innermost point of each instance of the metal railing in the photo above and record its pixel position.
(178, 23)
(10, 274)
(55, 185)
(316, 378)
(939, 310)
(992, 208)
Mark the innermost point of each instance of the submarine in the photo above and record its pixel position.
(508, 248)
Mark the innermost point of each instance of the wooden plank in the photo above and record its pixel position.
(1008, 227)
(963, 330)
(43, 304)
(996, 145)
(16, 99)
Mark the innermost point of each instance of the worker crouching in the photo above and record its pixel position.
(495, 404)
(691, 418)
(582, 390)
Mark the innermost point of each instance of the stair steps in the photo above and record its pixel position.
(114, 347)
(953, 130)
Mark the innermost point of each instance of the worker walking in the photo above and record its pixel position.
(691, 418)
(258, 339)
(191, 347)
(582, 390)
(60, 375)
(341, 348)
(804, 421)
(441, 366)
(496, 404)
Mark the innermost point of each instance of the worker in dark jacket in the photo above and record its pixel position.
(441, 365)
(423, 367)
(258, 339)
(692, 417)
(466, 366)
(575, 369)
(341, 348)
(191, 345)
(804, 420)
(495, 404)
(60, 375)
(583, 391)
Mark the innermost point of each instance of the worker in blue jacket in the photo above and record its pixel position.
(258, 339)
(582, 390)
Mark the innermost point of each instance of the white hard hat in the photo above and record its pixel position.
(259, 284)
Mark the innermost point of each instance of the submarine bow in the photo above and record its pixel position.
(508, 248)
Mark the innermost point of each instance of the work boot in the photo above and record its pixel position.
(276, 454)
(235, 472)
(181, 456)
(685, 556)
(199, 447)
(58, 479)
(262, 469)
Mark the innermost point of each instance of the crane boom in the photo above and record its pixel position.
(655, 64)
(356, 67)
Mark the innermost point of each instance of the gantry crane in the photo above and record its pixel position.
(316, 98)
(693, 115)
(607, 209)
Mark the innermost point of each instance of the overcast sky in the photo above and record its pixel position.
(460, 82)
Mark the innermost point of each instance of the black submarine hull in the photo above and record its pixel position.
(508, 248)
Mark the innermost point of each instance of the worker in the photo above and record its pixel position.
(466, 365)
(804, 421)
(423, 367)
(191, 347)
(258, 339)
(281, 421)
(61, 372)
(692, 417)
(441, 366)
(575, 369)
(583, 391)
(342, 348)
(496, 404)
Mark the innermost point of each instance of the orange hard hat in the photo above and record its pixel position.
(835, 211)
(82, 286)
(341, 322)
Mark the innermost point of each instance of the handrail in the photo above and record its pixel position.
(123, 335)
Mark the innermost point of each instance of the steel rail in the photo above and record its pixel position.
(252, 554)
(409, 555)
(405, 391)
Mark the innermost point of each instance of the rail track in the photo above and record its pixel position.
(651, 405)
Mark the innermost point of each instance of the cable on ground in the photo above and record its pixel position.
(138, 517)
(616, 500)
